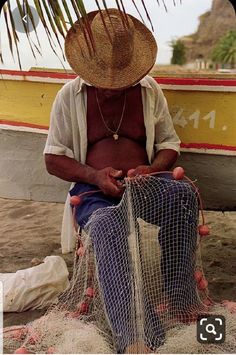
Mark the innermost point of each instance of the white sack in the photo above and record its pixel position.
(36, 287)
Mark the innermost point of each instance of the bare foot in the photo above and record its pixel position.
(138, 348)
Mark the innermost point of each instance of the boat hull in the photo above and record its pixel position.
(204, 115)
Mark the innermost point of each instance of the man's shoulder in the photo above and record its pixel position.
(150, 82)
(72, 87)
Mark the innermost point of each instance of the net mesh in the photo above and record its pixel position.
(138, 283)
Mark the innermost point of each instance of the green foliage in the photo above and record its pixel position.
(178, 52)
(225, 50)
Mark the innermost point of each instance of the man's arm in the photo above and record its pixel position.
(164, 160)
(69, 169)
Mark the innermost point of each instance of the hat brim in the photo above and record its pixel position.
(89, 68)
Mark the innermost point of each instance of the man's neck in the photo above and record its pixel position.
(106, 93)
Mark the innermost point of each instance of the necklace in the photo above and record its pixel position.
(114, 133)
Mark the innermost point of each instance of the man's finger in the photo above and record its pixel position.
(115, 173)
(131, 173)
(114, 191)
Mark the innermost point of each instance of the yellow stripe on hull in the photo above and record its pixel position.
(204, 116)
(29, 102)
(199, 116)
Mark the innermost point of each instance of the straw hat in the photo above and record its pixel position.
(117, 62)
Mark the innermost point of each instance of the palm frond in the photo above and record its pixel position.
(225, 49)
(164, 4)
(137, 9)
(26, 29)
(58, 12)
(81, 7)
(68, 14)
(124, 19)
(103, 21)
(1, 57)
(8, 28)
(52, 24)
(14, 33)
(55, 15)
(147, 14)
(29, 12)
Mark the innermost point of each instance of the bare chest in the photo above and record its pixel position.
(121, 115)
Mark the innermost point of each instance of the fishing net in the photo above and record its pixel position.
(138, 283)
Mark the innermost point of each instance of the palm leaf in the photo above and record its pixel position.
(163, 2)
(53, 27)
(1, 57)
(75, 8)
(124, 18)
(137, 9)
(56, 14)
(29, 12)
(81, 7)
(47, 30)
(58, 17)
(225, 49)
(41, 16)
(147, 14)
(87, 27)
(103, 20)
(8, 29)
(79, 23)
(14, 33)
(67, 12)
(22, 13)
(124, 12)
(57, 6)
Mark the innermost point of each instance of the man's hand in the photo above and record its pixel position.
(163, 161)
(106, 180)
(140, 170)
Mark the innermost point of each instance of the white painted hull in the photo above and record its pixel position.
(24, 176)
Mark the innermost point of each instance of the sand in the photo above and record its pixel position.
(32, 229)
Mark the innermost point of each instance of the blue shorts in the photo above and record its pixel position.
(90, 202)
(93, 201)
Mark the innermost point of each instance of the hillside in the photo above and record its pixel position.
(212, 26)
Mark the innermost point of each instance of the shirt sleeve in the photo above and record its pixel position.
(59, 140)
(165, 134)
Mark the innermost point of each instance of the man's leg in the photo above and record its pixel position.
(178, 241)
(174, 208)
(90, 202)
(108, 229)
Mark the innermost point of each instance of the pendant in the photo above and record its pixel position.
(115, 136)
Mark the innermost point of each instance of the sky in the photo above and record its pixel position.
(178, 21)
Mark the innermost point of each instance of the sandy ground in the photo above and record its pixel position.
(32, 229)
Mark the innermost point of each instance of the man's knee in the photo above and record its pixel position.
(182, 190)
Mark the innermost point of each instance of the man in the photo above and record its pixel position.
(110, 122)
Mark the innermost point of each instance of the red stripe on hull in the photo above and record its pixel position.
(196, 81)
(41, 74)
(208, 146)
(161, 80)
(22, 124)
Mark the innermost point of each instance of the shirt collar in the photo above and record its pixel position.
(81, 83)
(145, 83)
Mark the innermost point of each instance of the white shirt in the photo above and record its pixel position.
(68, 132)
